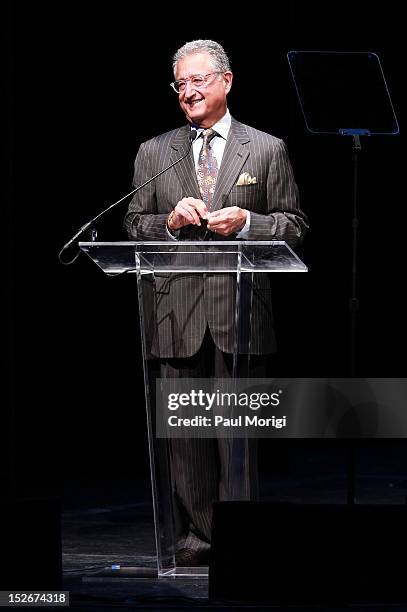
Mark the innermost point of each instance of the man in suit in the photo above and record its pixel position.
(237, 183)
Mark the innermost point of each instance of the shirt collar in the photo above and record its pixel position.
(222, 126)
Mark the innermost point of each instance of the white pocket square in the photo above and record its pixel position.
(246, 179)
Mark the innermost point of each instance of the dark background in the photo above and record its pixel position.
(89, 83)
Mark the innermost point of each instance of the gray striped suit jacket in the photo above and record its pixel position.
(185, 304)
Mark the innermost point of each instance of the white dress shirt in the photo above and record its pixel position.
(218, 144)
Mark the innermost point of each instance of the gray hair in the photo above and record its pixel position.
(219, 58)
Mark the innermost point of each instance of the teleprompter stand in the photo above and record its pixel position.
(345, 94)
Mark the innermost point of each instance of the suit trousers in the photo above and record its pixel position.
(200, 467)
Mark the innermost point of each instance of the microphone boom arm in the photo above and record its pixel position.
(89, 224)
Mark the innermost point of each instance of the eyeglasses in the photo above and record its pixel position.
(197, 80)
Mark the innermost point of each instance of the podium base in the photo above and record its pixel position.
(186, 572)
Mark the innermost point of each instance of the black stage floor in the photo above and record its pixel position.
(109, 523)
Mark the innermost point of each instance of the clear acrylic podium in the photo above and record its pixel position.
(161, 268)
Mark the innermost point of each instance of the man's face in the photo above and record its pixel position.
(204, 106)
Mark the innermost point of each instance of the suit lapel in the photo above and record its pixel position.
(234, 157)
(186, 168)
(235, 154)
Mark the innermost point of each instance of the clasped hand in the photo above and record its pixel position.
(226, 221)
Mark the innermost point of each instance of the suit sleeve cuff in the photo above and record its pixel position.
(173, 235)
(246, 228)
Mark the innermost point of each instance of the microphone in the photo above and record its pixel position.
(193, 134)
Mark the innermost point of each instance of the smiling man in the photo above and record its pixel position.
(206, 104)
(236, 184)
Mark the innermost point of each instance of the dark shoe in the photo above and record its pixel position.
(187, 557)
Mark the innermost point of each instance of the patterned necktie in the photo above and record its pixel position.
(207, 172)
